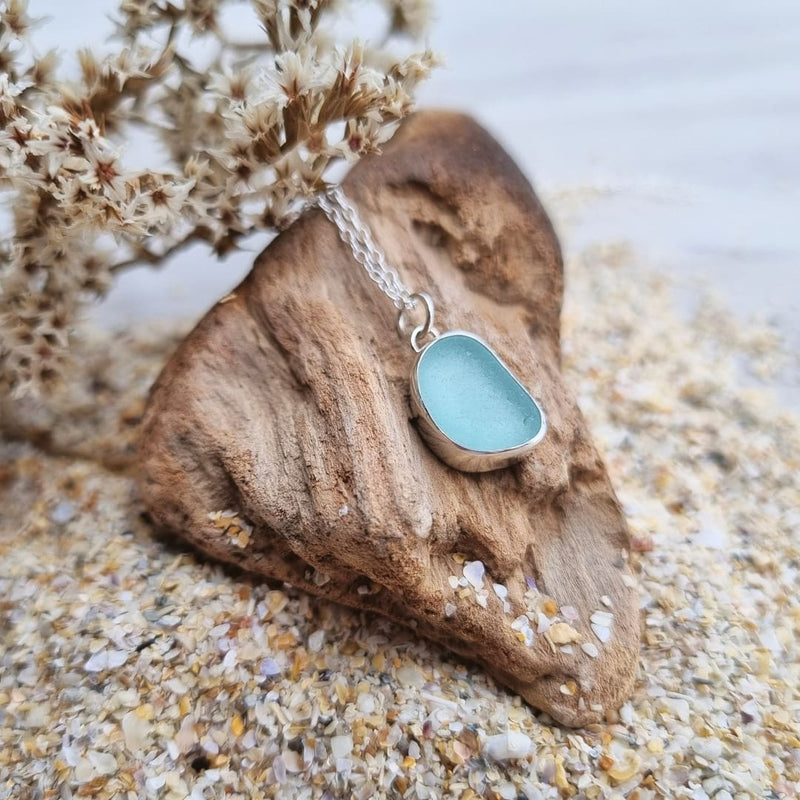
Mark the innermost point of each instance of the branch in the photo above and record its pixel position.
(142, 255)
(257, 46)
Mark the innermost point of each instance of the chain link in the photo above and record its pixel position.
(358, 237)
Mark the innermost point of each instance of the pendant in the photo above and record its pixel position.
(470, 408)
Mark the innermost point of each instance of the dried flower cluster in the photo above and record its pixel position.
(244, 134)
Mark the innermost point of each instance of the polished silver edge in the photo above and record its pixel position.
(452, 453)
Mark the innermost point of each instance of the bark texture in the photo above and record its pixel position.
(289, 404)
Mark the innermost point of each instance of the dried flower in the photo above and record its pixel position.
(247, 136)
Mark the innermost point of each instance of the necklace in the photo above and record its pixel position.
(470, 408)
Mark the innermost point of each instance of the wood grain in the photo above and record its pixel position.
(289, 404)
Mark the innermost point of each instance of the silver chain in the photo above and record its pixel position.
(358, 237)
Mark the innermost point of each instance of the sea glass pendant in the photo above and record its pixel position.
(471, 409)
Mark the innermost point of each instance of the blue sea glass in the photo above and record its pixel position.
(473, 398)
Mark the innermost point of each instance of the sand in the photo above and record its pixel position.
(132, 668)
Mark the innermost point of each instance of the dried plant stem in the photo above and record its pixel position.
(142, 255)
(245, 137)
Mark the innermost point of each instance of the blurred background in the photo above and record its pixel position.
(673, 128)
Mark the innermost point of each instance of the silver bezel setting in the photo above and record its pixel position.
(452, 453)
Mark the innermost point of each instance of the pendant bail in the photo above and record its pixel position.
(422, 329)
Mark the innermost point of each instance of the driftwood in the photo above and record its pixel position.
(288, 404)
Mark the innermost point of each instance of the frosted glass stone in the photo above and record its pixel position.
(472, 397)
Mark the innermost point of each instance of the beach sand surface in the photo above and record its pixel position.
(663, 140)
